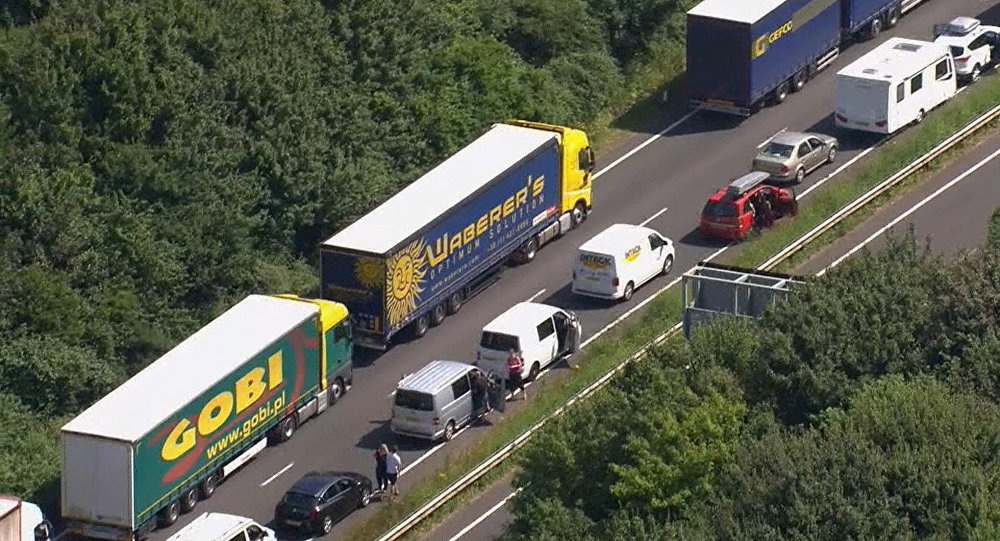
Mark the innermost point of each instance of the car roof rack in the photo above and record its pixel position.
(746, 183)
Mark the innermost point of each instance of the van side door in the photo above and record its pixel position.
(659, 249)
(461, 408)
(548, 343)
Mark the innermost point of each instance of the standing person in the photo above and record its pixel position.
(393, 465)
(514, 366)
(381, 473)
(478, 394)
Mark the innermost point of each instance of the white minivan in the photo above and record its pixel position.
(223, 527)
(542, 333)
(619, 259)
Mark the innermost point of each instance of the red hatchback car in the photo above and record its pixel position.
(747, 203)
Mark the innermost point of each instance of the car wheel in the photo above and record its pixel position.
(832, 154)
(366, 497)
(976, 72)
(875, 29)
(893, 18)
(420, 326)
(189, 498)
(780, 93)
(168, 515)
(800, 175)
(629, 289)
(438, 314)
(533, 373)
(449, 431)
(326, 525)
(208, 485)
(336, 391)
(668, 264)
(454, 302)
(579, 214)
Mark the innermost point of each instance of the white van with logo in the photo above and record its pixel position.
(223, 527)
(434, 402)
(542, 333)
(619, 259)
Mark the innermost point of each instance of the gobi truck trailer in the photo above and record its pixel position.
(166, 437)
(742, 54)
(418, 256)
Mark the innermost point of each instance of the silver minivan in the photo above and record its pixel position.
(434, 402)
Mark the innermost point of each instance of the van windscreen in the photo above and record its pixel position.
(414, 400)
(720, 209)
(499, 341)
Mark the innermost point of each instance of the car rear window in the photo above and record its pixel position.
(957, 51)
(720, 209)
(414, 400)
(499, 341)
(778, 150)
(299, 499)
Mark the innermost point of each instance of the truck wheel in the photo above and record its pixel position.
(893, 17)
(668, 264)
(529, 250)
(168, 515)
(336, 391)
(629, 289)
(286, 428)
(419, 327)
(454, 302)
(208, 485)
(799, 80)
(438, 314)
(188, 499)
(579, 215)
(781, 93)
(875, 28)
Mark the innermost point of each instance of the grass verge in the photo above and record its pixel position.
(608, 351)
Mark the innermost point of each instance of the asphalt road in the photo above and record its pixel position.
(676, 171)
(951, 209)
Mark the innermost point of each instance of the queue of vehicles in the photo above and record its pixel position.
(166, 438)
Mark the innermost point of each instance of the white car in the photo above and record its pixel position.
(974, 46)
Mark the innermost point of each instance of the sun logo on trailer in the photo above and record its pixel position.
(368, 272)
(404, 281)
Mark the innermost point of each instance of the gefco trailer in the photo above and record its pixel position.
(743, 55)
(419, 256)
(165, 438)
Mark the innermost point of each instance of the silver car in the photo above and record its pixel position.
(791, 155)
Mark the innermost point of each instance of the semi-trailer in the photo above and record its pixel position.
(165, 438)
(416, 258)
(743, 55)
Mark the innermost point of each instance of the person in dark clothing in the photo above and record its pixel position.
(381, 477)
(479, 385)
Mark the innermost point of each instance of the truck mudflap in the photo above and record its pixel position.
(720, 106)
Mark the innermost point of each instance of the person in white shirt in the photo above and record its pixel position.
(392, 466)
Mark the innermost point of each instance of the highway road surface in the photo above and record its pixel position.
(951, 209)
(662, 174)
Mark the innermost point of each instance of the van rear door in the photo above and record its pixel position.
(594, 272)
(413, 412)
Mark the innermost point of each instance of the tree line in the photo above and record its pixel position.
(864, 407)
(160, 160)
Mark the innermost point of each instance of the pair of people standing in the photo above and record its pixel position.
(387, 466)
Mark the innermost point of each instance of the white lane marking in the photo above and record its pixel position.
(430, 452)
(768, 140)
(535, 296)
(653, 217)
(912, 209)
(275, 476)
(837, 171)
(485, 516)
(644, 144)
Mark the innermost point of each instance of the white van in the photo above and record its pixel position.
(542, 333)
(894, 85)
(619, 259)
(433, 402)
(223, 527)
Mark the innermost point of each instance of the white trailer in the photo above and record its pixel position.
(894, 85)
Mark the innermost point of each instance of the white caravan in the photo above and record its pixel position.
(894, 85)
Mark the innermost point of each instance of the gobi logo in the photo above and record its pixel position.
(761, 44)
(632, 254)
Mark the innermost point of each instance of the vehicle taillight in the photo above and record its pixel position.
(880, 123)
(840, 117)
(962, 59)
(435, 421)
(313, 513)
(783, 170)
(614, 282)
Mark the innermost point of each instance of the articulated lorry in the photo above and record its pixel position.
(22, 521)
(166, 438)
(743, 55)
(416, 258)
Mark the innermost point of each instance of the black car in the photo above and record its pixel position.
(320, 499)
